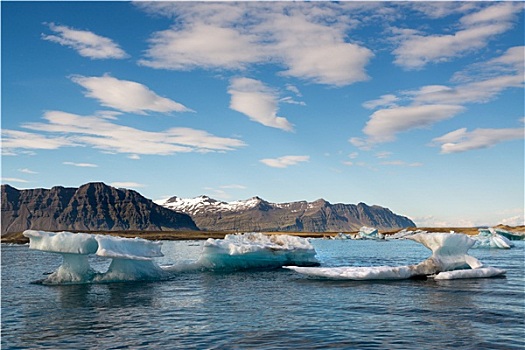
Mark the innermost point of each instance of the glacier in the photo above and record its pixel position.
(449, 254)
(257, 250)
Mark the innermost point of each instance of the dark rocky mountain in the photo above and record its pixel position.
(256, 214)
(91, 207)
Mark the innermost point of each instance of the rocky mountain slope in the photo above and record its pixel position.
(91, 207)
(256, 214)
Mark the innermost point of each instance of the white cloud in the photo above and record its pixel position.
(13, 179)
(402, 163)
(202, 46)
(81, 165)
(234, 186)
(383, 155)
(416, 50)
(103, 133)
(86, 43)
(294, 89)
(27, 171)
(309, 40)
(388, 100)
(316, 51)
(384, 124)
(257, 101)
(285, 161)
(461, 140)
(126, 96)
(13, 140)
(126, 184)
(474, 92)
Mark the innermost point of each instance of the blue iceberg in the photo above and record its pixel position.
(132, 259)
(490, 238)
(257, 250)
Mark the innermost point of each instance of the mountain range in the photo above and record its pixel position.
(91, 207)
(99, 207)
(256, 214)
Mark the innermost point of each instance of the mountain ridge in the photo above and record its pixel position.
(256, 214)
(93, 206)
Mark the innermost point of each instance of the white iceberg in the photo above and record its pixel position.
(356, 273)
(403, 234)
(257, 250)
(131, 258)
(449, 253)
(473, 273)
(369, 233)
(490, 238)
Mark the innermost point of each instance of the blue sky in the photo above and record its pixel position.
(415, 106)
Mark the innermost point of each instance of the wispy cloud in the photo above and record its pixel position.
(125, 184)
(13, 179)
(402, 163)
(61, 129)
(257, 101)
(384, 124)
(27, 171)
(429, 104)
(285, 161)
(234, 186)
(81, 165)
(13, 141)
(126, 96)
(416, 50)
(462, 140)
(388, 100)
(86, 43)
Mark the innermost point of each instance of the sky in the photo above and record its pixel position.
(414, 106)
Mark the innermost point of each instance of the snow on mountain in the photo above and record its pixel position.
(206, 204)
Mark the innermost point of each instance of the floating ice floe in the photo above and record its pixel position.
(369, 233)
(403, 234)
(257, 250)
(131, 258)
(489, 238)
(449, 254)
(342, 236)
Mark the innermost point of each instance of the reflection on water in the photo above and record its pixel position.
(266, 309)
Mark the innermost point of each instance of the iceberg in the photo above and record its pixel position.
(474, 273)
(369, 233)
(131, 258)
(449, 254)
(490, 238)
(257, 250)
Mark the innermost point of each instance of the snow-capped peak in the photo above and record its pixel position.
(206, 204)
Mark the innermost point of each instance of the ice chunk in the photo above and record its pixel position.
(75, 268)
(132, 258)
(474, 273)
(62, 242)
(126, 248)
(369, 233)
(490, 238)
(356, 273)
(257, 250)
(449, 252)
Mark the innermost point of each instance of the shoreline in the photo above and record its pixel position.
(18, 238)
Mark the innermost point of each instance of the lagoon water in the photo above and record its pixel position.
(266, 309)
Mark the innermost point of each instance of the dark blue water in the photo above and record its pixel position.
(276, 309)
